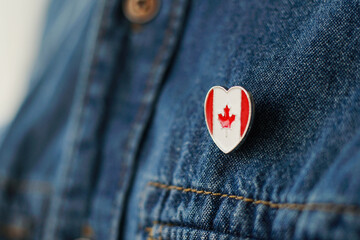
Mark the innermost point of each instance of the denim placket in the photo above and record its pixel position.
(121, 143)
(153, 85)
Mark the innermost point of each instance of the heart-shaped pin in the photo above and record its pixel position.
(228, 114)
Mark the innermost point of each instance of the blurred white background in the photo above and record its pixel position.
(21, 23)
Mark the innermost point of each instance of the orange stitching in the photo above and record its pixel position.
(160, 232)
(325, 207)
(150, 232)
(164, 224)
(87, 231)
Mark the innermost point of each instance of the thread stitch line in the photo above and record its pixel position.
(160, 232)
(150, 231)
(324, 207)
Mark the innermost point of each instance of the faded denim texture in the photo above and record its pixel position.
(111, 141)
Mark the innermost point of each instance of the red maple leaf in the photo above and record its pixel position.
(226, 120)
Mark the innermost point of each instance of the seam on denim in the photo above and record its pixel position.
(150, 231)
(323, 207)
(164, 48)
(160, 231)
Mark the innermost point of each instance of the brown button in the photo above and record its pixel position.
(141, 11)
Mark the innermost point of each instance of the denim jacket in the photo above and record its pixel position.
(111, 140)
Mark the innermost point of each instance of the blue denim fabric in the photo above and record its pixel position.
(111, 142)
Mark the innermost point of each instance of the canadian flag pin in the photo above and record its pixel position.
(228, 115)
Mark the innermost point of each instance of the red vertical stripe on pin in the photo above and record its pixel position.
(209, 110)
(245, 111)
